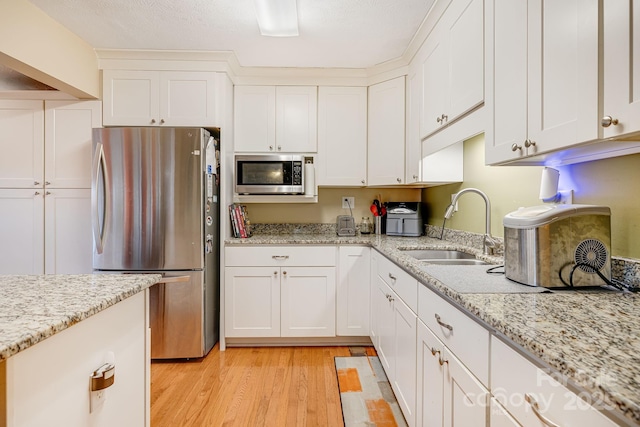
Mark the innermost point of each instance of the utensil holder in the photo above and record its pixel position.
(378, 225)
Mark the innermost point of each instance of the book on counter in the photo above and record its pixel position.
(239, 221)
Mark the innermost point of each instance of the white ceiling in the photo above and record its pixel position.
(333, 33)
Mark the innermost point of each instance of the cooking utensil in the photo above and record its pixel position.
(374, 210)
(376, 203)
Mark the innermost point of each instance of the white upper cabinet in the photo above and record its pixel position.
(159, 98)
(621, 57)
(453, 66)
(21, 143)
(413, 143)
(386, 133)
(68, 137)
(276, 119)
(342, 136)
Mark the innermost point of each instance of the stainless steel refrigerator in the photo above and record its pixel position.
(155, 210)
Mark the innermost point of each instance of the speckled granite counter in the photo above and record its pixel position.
(33, 308)
(593, 339)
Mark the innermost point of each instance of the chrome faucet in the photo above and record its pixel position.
(489, 243)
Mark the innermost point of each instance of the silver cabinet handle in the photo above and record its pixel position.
(279, 148)
(441, 323)
(442, 361)
(363, 181)
(434, 351)
(275, 273)
(103, 377)
(516, 147)
(271, 148)
(47, 183)
(47, 193)
(153, 121)
(415, 177)
(161, 121)
(399, 180)
(280, 257)
(37, 193)
(536, 410)
(608, 121)
(36, 183)
(284, 273)
(392, 277)
(529, 143)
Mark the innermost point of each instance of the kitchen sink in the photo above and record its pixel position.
(444, 257)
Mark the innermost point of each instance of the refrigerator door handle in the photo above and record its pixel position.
(98, 167)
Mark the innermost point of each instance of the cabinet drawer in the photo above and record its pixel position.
(513, 377)
(400, 281)
(463, 336)
(258, 256)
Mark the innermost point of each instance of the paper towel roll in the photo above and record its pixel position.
(309, 180)
(549, 184)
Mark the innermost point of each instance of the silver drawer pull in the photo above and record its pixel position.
(442, 361)
(441, 323)
(392, 277)
(434, 351)
(536, 410)
(280, 257)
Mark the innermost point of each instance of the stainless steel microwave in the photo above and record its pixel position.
(269, 174)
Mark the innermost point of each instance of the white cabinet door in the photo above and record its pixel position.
(386, 133)
(621, 61)
(68, 135)
(308, 301)
(352, 296)
(254, 118)
(435, 71)
(563, 73)
(430, 379)
(21, 144)
(342, 136)
(131, 97)
(252, 301)
(499, 417)
(384, 319)
(404, 381)
(187, 98)
(453, 66)
(68, 238)
(22, 230)
(506, 80)
(466, 401)
(297, 119)
(413, 142)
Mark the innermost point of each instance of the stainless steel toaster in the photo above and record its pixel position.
(345, 225)
(558, 246)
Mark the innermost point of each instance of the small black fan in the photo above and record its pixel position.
(593, 253)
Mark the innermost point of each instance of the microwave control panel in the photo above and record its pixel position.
(297, 173)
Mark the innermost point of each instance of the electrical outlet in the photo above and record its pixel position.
(455, 208)
(348, 202)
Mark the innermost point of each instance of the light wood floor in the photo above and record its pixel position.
(267, 386)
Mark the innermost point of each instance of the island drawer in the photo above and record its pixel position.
(400, 281)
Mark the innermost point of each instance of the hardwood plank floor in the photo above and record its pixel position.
(265, 386)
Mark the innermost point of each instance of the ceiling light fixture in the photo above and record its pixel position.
(277, 18)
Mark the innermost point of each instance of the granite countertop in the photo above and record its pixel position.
(591, 338)
(33, 308)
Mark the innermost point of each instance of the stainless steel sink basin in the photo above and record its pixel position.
(444, 257)
(439, 254)
(455, 261)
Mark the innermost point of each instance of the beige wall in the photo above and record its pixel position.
(608, 182)
(37, 46)
(328, 206)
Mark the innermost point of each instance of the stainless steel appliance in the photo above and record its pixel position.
(404, 219)
(155, 210)
(269, 174)
(345, 225)
(558, 246)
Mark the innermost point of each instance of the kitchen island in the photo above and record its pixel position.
(588, 341)
(56, 331)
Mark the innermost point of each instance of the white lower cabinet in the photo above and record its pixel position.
(394, 337)
(352, 296)
(49, 231)
(448, 393)
(534, 397)
(280, 291)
